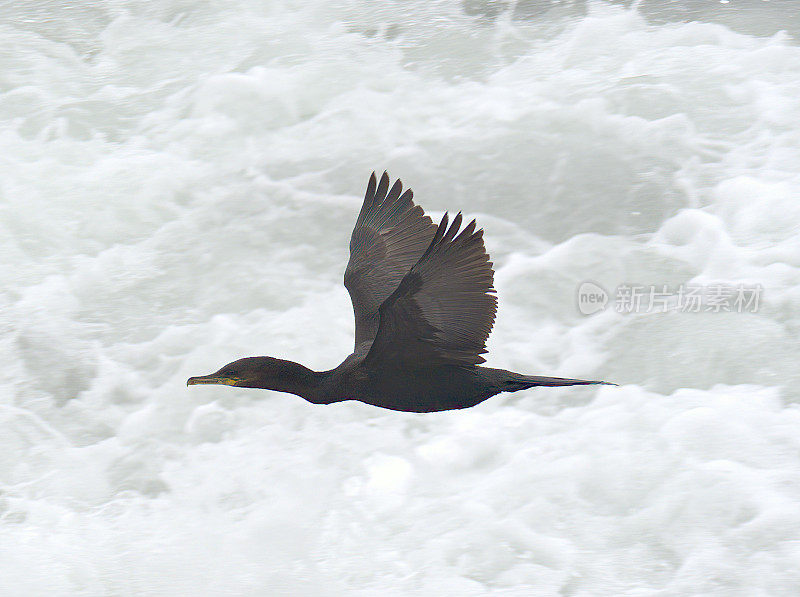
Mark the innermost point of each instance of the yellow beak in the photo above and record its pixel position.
(211, 379)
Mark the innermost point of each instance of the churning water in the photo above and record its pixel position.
(178, 182)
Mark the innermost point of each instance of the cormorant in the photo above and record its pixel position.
(424, 306)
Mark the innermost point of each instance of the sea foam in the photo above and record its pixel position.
(178, 185)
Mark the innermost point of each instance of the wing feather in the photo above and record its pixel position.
(444, 308)
(390, 235)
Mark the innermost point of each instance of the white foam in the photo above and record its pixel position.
(178, 185)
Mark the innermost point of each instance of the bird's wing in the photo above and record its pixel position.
(444, 308)
(390, 235)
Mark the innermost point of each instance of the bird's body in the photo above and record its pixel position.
(424, 306)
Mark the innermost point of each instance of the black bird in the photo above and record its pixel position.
(424, 305)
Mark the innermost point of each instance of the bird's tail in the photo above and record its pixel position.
(516, 381)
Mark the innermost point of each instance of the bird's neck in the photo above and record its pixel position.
(296, 379)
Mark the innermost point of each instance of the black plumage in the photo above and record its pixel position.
(424, 306)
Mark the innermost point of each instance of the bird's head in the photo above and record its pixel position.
(256, 372)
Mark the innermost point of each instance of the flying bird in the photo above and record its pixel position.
(424, 306)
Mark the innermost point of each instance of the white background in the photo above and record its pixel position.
(178, 182)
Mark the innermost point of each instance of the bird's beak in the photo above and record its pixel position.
(212, 379)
